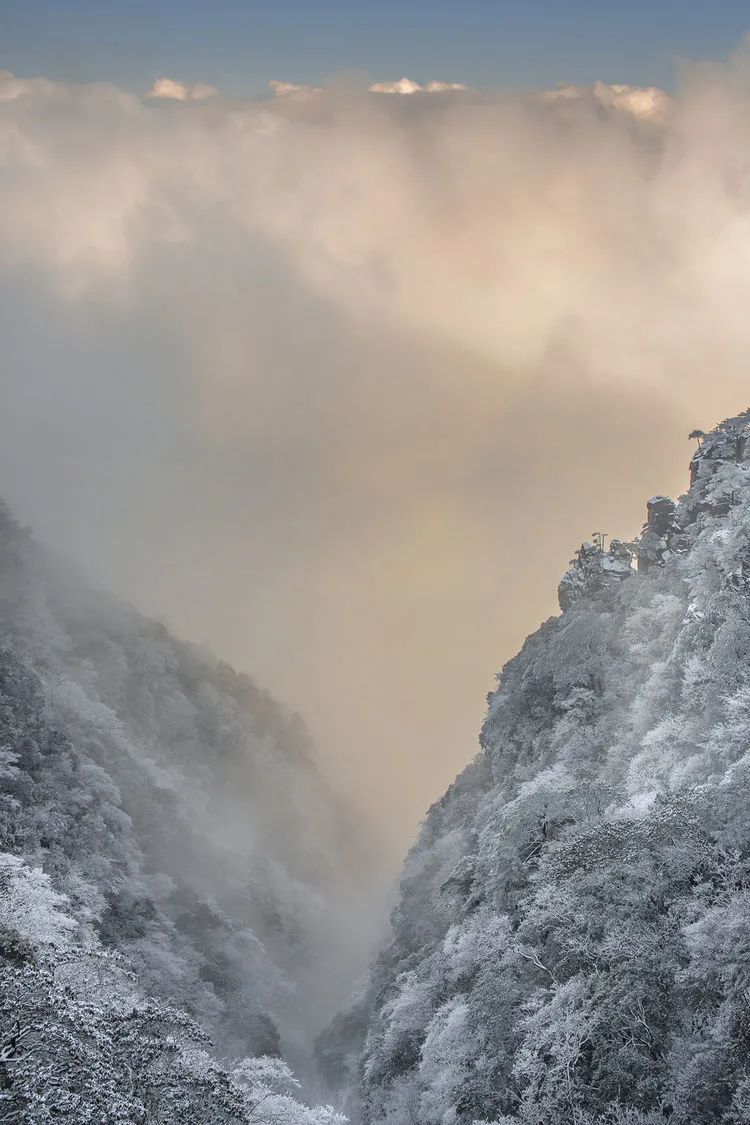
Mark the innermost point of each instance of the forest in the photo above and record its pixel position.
(173, 880)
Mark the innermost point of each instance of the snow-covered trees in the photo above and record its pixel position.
(80, 1043)
(166, 847)
(586, 958)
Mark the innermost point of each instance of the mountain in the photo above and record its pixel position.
(571, 943)
(171, 867)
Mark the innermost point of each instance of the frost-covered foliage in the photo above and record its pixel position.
(81, 1043)
(572, 940)
(178, 811)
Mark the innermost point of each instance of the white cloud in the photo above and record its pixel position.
(181, 91)
(443, 87)
(648, 102)
(400, 86)
(409, 86)
(644, 102)
(479, 221)
(291, 90)
(12, 88)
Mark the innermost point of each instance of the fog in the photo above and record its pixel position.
(336, 381)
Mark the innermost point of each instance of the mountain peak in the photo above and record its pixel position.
(671, 527)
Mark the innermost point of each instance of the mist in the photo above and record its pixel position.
(336, 381)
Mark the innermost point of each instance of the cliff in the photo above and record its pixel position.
(572, 938)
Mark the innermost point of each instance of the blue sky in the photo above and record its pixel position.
(239, 45)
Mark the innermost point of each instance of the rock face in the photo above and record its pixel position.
(571, 943)
(727, 443)
(593, 569)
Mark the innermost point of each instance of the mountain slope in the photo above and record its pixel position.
(175, 805)
(572, 939)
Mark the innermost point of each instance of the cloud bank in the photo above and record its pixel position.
(335, 382)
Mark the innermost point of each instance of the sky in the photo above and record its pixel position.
(240, 45)
(335, 382)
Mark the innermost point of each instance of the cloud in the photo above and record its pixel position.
(644, 102)
(443, 87)
(405, 218)
(336, 383)
(12, 88)
(401, 86)
(290, 90)
(181, 91)
(409, 86)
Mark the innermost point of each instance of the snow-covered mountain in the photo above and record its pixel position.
(572, 940)
(172, 867)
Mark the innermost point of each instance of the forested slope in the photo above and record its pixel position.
(572, 939)
(169, 847)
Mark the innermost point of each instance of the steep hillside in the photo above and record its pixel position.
(572, 940)
(176, 808)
